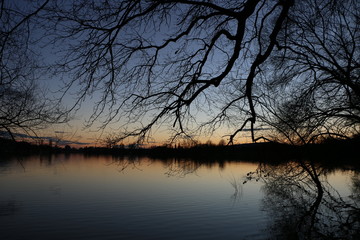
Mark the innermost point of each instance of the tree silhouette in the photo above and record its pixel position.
(24, 108)
(317, 72)
(240, 65)
(158, 62)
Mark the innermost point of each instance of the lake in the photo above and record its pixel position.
(103, 197)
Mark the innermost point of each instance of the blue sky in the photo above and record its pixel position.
(75, 129)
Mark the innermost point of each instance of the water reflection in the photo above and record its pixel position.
(181, 168)
(9, 207)
(123, 163)
(105, 197)
(303, 205)
(109, 197)
(174, 167)
(236, 183)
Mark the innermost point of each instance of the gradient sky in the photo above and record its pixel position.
(75, 130)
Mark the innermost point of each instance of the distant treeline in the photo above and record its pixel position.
(11, 147)
(331, 150)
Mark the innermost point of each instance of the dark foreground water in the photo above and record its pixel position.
(79, 197)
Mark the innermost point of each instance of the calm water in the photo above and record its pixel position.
(79, 197)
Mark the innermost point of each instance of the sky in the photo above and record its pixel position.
(76, 133)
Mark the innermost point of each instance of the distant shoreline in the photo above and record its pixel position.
(337, 151)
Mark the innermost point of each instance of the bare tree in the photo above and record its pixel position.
(154, 63)
(293, 65)
(24, 108)
(316, 86)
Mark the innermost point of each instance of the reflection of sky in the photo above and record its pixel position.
(88, 197)
(97, 197)
(340, 181)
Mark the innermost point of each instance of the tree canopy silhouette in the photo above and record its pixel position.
(24, 107)
(197, 66)
(317, 72)
(170, 60)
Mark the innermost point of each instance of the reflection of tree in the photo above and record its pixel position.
(303, 205)
(123, 163)
(238, 190)
(356, 188)
(9, 207)
(181, 167)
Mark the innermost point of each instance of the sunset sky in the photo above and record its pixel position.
(77, 131)
(155, 71)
